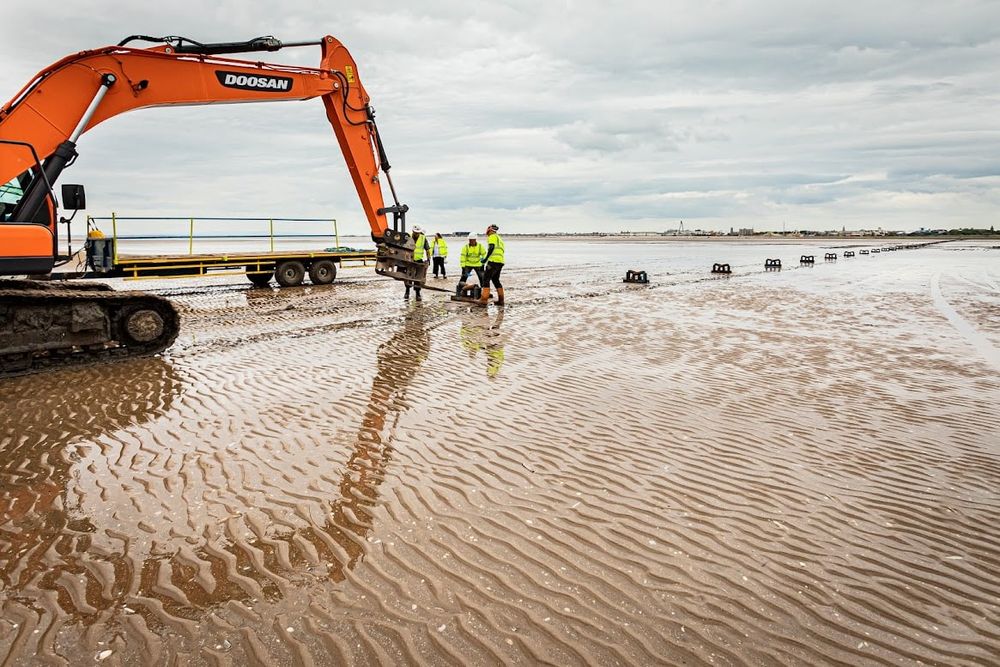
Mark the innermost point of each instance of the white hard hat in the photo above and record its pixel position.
(471, 237)
(418, 229)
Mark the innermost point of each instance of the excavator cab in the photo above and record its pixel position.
(27, 239)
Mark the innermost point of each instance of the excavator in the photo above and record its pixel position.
(46, 324)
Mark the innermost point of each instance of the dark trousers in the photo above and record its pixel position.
(493, 275)
(467, 271)
(416, 286)
(439, 264)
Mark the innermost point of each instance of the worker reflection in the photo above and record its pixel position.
(481, 333)
(421, 253)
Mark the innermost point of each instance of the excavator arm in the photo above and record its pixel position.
(46, 325)
(40, 126)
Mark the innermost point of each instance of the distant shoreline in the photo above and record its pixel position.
(869, 240)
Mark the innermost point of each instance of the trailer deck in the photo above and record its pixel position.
(289, 267)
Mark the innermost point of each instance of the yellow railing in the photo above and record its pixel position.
(191, 227)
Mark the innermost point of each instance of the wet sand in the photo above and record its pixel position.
(795, 467)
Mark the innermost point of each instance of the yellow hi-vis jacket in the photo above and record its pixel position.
(418, 250)
(497, 242)
(442, 247)
(472, 255)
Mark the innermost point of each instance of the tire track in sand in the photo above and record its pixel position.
(982, 345)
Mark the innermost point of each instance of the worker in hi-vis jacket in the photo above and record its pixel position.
(494, 265)
(421, 253)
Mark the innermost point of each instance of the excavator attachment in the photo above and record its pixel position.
(395, 257)
(397, 263)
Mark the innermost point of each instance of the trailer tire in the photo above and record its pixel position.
(323, 272)
(290, 273)
(259, 279)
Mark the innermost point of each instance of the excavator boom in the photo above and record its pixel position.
(53, 107)
(39, 130)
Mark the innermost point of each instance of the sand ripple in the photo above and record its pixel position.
(792, 468)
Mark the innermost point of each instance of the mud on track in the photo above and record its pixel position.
(792, 468)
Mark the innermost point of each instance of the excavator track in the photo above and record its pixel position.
(46, 325)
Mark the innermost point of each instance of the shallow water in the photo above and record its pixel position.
(791, 467)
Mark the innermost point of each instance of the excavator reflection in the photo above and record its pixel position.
(34, 461)
(398, 361)
(48, 540)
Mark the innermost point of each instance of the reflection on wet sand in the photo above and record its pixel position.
(780, 468)
(45, 538)
(35, 461)
(64, 563)
(397, 362)
(479, 331)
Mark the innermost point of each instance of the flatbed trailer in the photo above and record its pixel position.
(289, 268)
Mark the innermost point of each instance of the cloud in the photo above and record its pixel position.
(574, 115)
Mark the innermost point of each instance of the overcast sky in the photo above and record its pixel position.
(574, 115)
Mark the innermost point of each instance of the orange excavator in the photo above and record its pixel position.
(44, 324)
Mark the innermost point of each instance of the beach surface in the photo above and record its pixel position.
(794, 467)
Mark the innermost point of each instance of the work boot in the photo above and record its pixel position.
(419, 298)
(406, 294)
(484, 300)
(499, 296)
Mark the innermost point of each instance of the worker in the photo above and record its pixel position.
(471, 259)
(421, 250)
(439, 252)
(493, 266)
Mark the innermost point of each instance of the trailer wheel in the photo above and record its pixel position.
(290, 273)
(259, 279)
(323, 272)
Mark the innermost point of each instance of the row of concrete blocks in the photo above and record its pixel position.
(640, 277)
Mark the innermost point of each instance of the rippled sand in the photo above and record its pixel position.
(799, 468)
